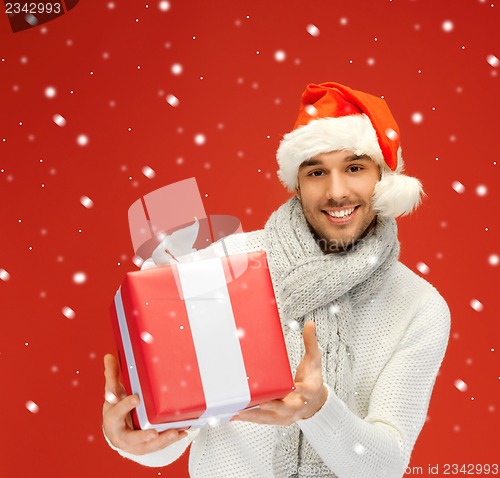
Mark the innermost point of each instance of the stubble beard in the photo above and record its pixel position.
(331, 245)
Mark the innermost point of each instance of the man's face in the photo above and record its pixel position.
(335, 190)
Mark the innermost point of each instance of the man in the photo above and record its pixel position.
(373, 332)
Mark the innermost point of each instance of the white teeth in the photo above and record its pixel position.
(343, 213)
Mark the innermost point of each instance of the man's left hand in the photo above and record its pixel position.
(308, 397)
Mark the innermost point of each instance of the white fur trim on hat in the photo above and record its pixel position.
(346, 133)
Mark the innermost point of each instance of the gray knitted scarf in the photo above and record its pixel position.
(312, 285)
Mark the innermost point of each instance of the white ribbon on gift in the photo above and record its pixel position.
(216, 342)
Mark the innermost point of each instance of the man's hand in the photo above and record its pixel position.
(308, 397)
(116, 420)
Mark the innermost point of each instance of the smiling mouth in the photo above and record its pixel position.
(342, 213)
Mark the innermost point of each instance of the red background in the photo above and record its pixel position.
(110, 64)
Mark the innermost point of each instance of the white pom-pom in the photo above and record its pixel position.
(396, 195)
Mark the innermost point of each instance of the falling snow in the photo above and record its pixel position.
(280, 55)
(176, 69)
(50, 92)
(4, 275)
(59, 120)
(311, 110)
(147, 337)
(476, 305)
(138, 261)
(333, 309)
(172, 100)
(493, 60)
(359, 449)
(148, 172)
(68, 312)
(79, 277)
(213, 421)
(32, 406)
(373, 260)
(391, 134)
(82, 140)
(293, 324)
(447, 26)
(200, 139)
(481, 190)
(423, 268)
(164, 6)
(312, 30)
(417, 117)
(458, 187)
(492, 261)
(460, 385)
(86, 202)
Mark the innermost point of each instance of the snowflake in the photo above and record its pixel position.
(68, 312)
(147, 337)
(460, 385)
(476, 305)
(59, 120)
(79, 277)
(423, 268)
(417, 117)
(148, 172)
(176, 69)
(82, 140)
(32, 406)
(493, 60)
(447, 26)
(87, 202)
(458, 187)
(312, 30)
(280, 55)
(200, 139)
(172, 100)
(481, 190)
(50, 92)
(359, 449)
(164, 6)
(4, 275)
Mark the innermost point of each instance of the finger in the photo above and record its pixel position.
(310, 342)
(256, 416)
(111, 373)
(162, 440)
(140, 442)
(274, 405)
(115, 416)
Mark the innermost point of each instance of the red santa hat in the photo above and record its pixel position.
(333, 117)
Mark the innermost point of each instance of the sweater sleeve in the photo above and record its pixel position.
(161, 457)
(380, 444)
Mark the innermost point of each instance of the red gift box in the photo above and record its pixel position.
(201, 340)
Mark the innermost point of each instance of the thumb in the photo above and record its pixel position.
(310, 341)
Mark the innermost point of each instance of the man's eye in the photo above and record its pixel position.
(315, 173)
(354, 169)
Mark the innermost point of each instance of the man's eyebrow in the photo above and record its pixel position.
(318, 162)
(311, 162)
(357, 158)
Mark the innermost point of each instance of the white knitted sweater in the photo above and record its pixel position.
(400, 337)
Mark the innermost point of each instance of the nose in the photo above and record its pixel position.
(338, 187)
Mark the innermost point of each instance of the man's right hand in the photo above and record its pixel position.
(117, 422)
